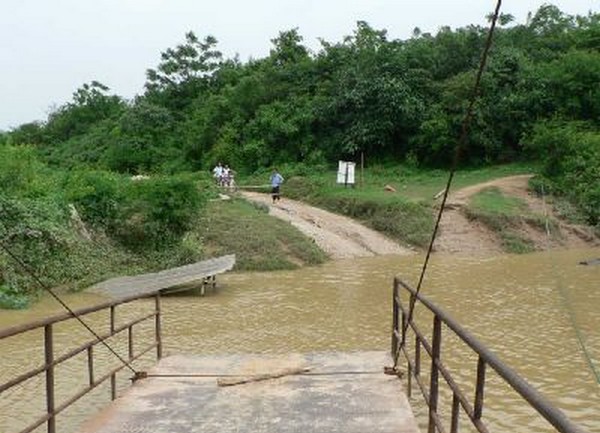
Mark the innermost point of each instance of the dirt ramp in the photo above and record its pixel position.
(339, 236)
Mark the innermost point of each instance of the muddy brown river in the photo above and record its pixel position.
(538, 312)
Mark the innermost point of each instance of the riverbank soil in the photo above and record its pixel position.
(339, 236)
(461, 231)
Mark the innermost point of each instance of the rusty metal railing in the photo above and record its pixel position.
(52, 408)
(473, 411)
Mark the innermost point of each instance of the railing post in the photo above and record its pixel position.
(478, 406)
(90, 354)
(130, 341)
(112, 319)
(395, 321)
(417, 356)
(455, 413)
(49, 359)
(433, 387)
(158, 327)
(113, 386)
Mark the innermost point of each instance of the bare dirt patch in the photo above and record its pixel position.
(342, 237)
(458, 234)
(338, 236)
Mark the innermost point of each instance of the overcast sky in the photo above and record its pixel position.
(49, 48)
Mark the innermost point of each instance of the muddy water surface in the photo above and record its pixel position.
(538, 312)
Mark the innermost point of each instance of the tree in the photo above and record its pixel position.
(142, 141)
(90, 105)
(184, 72)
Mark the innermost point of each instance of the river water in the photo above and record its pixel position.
(537, 312)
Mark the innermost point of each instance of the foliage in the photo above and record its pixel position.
(22, 173)
(145, 213)
(391, 101)
(37, 226)
(571, 162)
(96, 195)
(157, 212)
(37, 232)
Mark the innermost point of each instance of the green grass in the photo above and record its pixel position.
(259, 241)
(492, 202)
(504, 215)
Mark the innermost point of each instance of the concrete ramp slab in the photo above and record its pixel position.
(342, 392)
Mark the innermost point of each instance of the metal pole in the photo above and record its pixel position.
(130, 341)
(362, 169)
(346, 177)
(113, 386)
(395, 321)
(49, 358)
(433, 387)
(158, 327)
(478, 407)
(455, 413)
(90, 353)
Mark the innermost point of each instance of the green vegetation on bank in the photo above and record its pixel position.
(260, 242)
(398, 102)
(505, 216)
(404, 212)
(73, 228)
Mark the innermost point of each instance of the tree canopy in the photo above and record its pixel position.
(394, 100)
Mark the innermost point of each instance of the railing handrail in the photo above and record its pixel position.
(552, 414)
(51, 362)
(30, 326)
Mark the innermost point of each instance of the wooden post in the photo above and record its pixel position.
(346, 177)
(49, 359)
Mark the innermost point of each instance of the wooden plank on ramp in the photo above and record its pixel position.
(341, 393)
(167, 280)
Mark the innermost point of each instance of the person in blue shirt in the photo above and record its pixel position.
(276, 181)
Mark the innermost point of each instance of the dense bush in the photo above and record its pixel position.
(158, 211)
(38, 233)
(570, 153)
(96, 195)
(146, 212)
(150, 217)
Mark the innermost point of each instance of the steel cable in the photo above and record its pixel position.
(466, 125)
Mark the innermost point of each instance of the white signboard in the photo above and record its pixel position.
(345, 174)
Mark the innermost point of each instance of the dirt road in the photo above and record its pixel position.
(458, 234)
(338, 236)
(342, 237)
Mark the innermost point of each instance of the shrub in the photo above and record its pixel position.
(96, 195)
(22, 173)
(571, 152)
(157, 211)
(36, 231)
